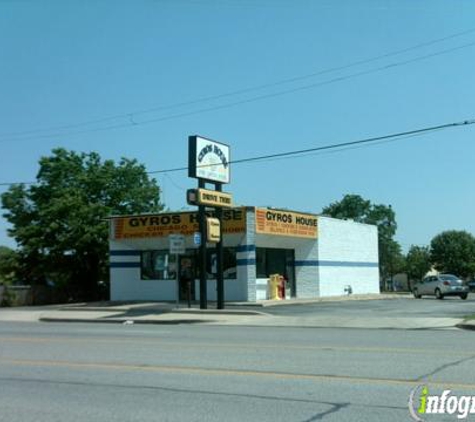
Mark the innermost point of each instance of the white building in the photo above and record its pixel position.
(319, 256)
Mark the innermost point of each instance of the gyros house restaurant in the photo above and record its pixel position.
(318, 256)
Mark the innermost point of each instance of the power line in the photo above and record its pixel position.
(303, 152)
(257, 98)
(131, 115)
(347, 148)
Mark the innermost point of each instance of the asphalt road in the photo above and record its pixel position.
(96, 372)
(426, 307)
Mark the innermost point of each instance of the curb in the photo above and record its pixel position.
(220, 324)
(215, 312)
(464, 326)
(124, 321)
(192, 311)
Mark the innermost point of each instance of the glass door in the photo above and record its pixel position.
(187, 277)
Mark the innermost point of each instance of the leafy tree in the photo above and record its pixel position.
(352, 207)
(59, 223)
(8, 263)
(361, 210)
(418, 262)
(391, 259)
(454, 252)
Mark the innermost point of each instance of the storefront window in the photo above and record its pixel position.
(158, 265)
(229, 263)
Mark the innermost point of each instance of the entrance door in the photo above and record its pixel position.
(289, 273)
(187, 277)
(277, 261)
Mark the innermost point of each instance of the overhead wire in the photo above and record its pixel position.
(334, 146)
(131, 116)
(346, 148)
(252, 99)
(307, 151)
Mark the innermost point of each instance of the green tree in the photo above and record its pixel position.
(8, 264)
(391, 259)
(361, 210)
(59, 223)
(454, 252)
(418, 262)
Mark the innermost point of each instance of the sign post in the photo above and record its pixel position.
(219, 259)
(202, 254)
(208, 161)
(177, 248)
(177, 265)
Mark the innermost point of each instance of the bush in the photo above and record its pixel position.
(8, 297)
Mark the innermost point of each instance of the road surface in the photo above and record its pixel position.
(104, 372)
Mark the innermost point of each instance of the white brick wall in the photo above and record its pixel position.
(306, 269)
(348, 255)
(249, 271)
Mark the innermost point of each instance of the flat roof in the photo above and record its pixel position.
(247, 207)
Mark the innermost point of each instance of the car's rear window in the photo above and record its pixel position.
(450, 278)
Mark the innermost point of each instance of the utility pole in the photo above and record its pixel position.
(219, 257)
(208, 161)
(202, 252)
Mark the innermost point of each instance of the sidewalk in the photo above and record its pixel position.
(235, 314)
(359, 297)
(235, 304)
(246, 318)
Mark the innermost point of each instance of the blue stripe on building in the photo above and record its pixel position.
(124, 252)
(250, 261)
(246, 248)
(317, 263)
(124, 265)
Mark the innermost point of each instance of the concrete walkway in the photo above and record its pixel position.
(242, 314)
(256, 319)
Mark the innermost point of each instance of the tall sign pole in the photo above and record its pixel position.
(202, 252)
(208, 161)
(219, 256)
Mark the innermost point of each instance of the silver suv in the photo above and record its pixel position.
(440, 286)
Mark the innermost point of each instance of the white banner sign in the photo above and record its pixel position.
(208, 160)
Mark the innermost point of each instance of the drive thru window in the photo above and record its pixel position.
(276, 261)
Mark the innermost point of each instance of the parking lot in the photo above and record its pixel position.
(403, 307)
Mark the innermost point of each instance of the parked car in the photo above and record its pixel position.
(440, 286)
(471, 285)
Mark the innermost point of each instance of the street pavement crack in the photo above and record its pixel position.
(336, 407)
(443, 367)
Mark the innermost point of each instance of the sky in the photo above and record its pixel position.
(136, 78)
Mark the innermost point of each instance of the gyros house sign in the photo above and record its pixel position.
(208, 160)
